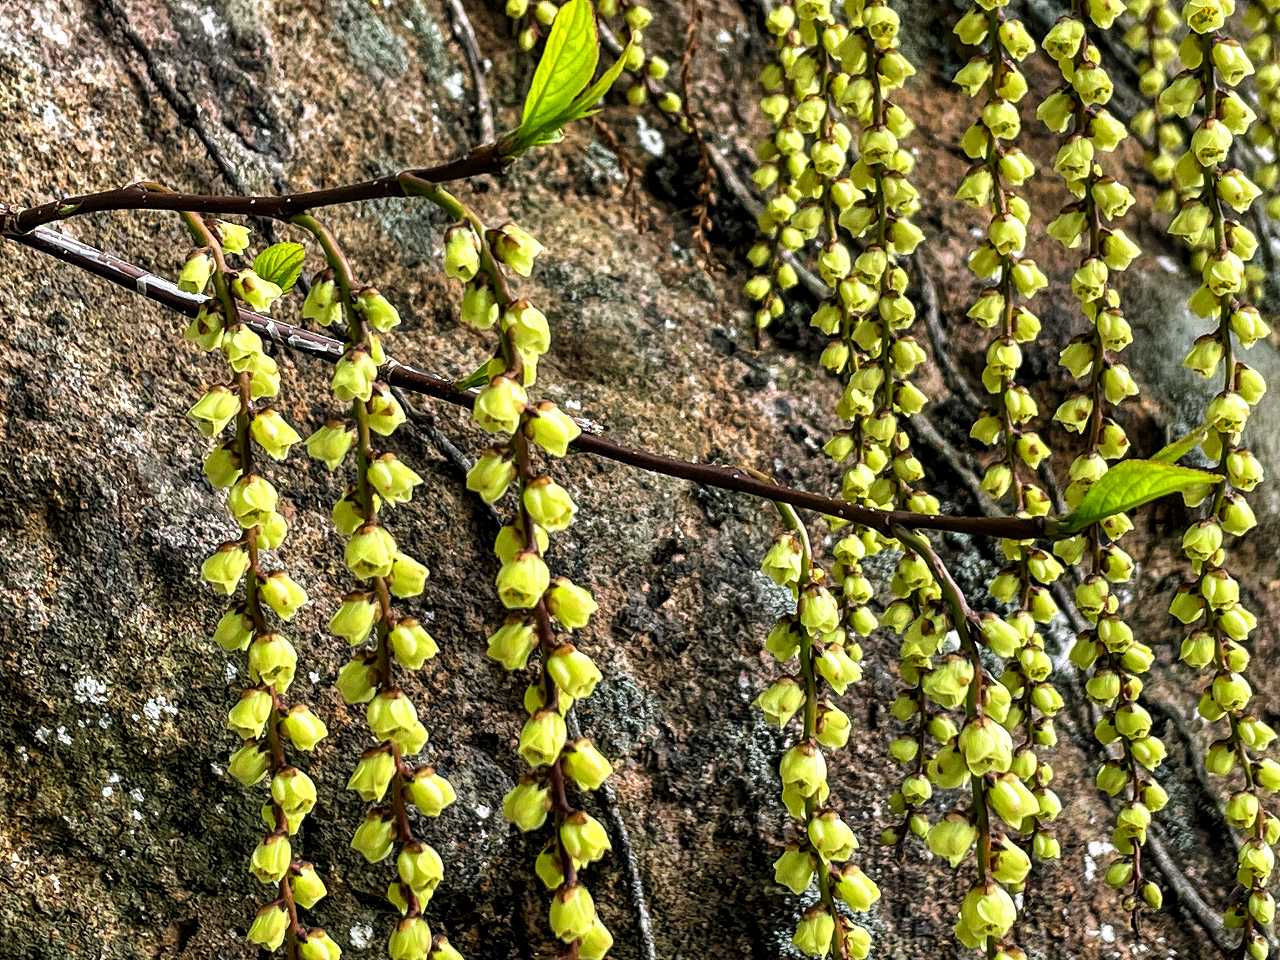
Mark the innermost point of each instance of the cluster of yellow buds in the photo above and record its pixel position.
(1150, 34)
(975, 753)
(837, 176)
(382, 639)
(1107, 652)
(818, 636)
(1011, 280)
(540, 608)
(1263, 18)
(262, 718)
(1209, 603)
(834, 71)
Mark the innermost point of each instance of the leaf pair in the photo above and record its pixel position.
(562, 91)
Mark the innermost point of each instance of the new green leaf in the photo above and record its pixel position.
(567, 65)
(280, 263)
(562, 90)
(1129, 485)
(1182, 446)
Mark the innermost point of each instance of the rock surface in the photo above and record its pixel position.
(121, 836)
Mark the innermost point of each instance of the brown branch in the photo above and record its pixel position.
(409, 378)
(488, 158)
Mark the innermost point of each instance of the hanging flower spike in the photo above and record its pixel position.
(262, 718)
(526, 436)
(1010, 281)
(385, 641)
(1150, 35)
(1209, 602)
(1111, 658)
(823, 843)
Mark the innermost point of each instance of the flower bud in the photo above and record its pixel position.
(586, 765)
(303, 728)
(371, 552)
(526, 805)
(573, 913)
(542, 738)
(269, 927)
(552, 429)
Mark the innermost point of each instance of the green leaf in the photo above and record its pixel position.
(1129, 485)
(567, 65)
(1182, 446)
(280, 263)
(585, 103)
(481, 374)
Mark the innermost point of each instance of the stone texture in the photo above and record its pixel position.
(121, 837)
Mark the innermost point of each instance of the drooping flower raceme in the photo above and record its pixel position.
(1112, 659)
(1010, 281)
(385, 641)
(262, 718)
(542, 611)
(1150, 35)
(1209, 603)
(823, 846)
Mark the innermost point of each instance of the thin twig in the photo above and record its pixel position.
(466, 35)
(702, 209)
(932, 316)
(398, 374)
(487, 158)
